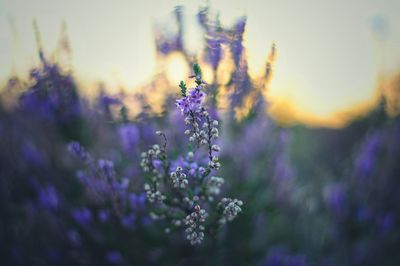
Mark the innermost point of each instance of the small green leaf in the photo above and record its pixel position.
(197, 70)
(182, 85)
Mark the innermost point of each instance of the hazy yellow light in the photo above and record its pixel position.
(176, 68)
(325, 64)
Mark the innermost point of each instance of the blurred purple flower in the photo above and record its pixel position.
(74, 237)
(129, 137)
(363, 214)
(386, 223)
(107, 168)
(202, 17)
(336, 198)
(365, 162)
(82, 216)
(214, 49)
(236, 44)
(113, 257)
(53, 254)
(75, 148)
(128, 220)
(157, 163)
(137, 202)
(103, 215)
(48, 197)
(32, 154)
(278, 257)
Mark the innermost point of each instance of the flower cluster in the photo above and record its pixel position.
(194, 222)
(153, 194)
(192, 103)
(230, 209)
(213, 185)
(178, 178)
(185, 194)
(150, 159)
(102, 185)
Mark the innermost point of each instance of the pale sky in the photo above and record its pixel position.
(330, 53)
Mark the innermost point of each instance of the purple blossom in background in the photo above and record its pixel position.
(202, 17)
(53, 96)
(166, 44)
(93, 184)
(48, 197)
(386, 223)
(107, 168)
(282, 171)
(363, 214)
(335, 196)
(103, 215)
(278, 257)
(75, 148)
(241, 85)
(74, 237)
(32, 154)
(128, 221)
(366, 160)
(82, 216)
(214, 49)
(137, 202)
(105, 102)
(157, 163)
(114, 257)
(129, 137)
(236, 43)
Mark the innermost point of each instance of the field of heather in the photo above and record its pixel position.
(205, 171)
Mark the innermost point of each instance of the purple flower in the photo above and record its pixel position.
(107, 168)
(214, 49)
(336, 197)
(363, 214)
(128, 220)
(202, 17)
(278, 257)
(113, 257)
(122, 185)
(236, 45)
(103, 215)
(129, 137)
(48, 197)
(386, 223)
(82, 216)
(137, 201)
(192, 102)
(106, 100)
(183, 104)
(74, 237)
(365, 161)
(75, 148)
(32, 154)
(157, 163)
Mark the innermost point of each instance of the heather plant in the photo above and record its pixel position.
(184, 192)
(314, 196)
(102, 185)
